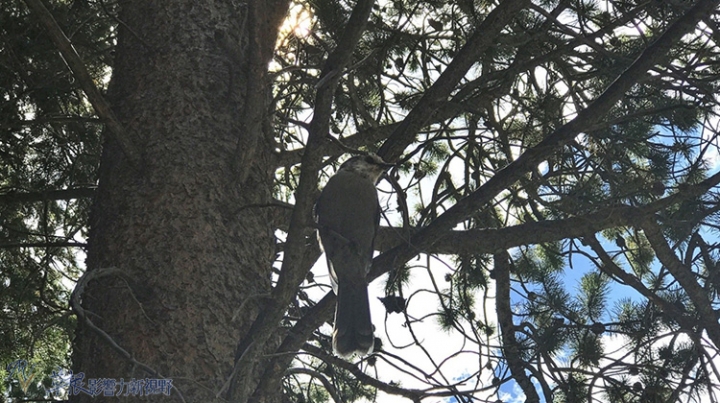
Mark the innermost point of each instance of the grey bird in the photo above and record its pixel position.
(348, 214)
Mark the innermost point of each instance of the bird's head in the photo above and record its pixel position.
(370, 166)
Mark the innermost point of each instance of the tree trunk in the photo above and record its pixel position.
(186, 232)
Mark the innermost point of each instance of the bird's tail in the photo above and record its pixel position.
(353, 332)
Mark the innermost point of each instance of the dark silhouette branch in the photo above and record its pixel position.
(511, 347)
(684, 276)
(331, 149)
(613, 270)
(11, 245)
(322, 378)
(101, 106)
(490, 240)
(412, 394)
(482, 39)
(63, 194)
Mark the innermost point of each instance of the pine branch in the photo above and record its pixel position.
(614, 271)
(43, 245)
(48, 195)
(511, 347)
(482, 39)
(654, 54)
(490, 240)
(412, 394)
(684, 276)
(332, 390)
(101, 106)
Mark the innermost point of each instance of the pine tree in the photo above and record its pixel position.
(551, 156)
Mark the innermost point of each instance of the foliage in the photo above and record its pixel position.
(49, 141)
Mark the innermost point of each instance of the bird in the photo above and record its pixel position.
(348, 214)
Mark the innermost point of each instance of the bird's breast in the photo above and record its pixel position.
(348, 205)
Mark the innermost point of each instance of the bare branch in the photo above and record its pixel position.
(63, 194)
(67, 244)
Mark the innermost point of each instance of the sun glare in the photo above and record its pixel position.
(298, 22)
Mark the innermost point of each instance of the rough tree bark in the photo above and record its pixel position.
(181, 242)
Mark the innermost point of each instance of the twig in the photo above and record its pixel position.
(413, 394)
(315, 374)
